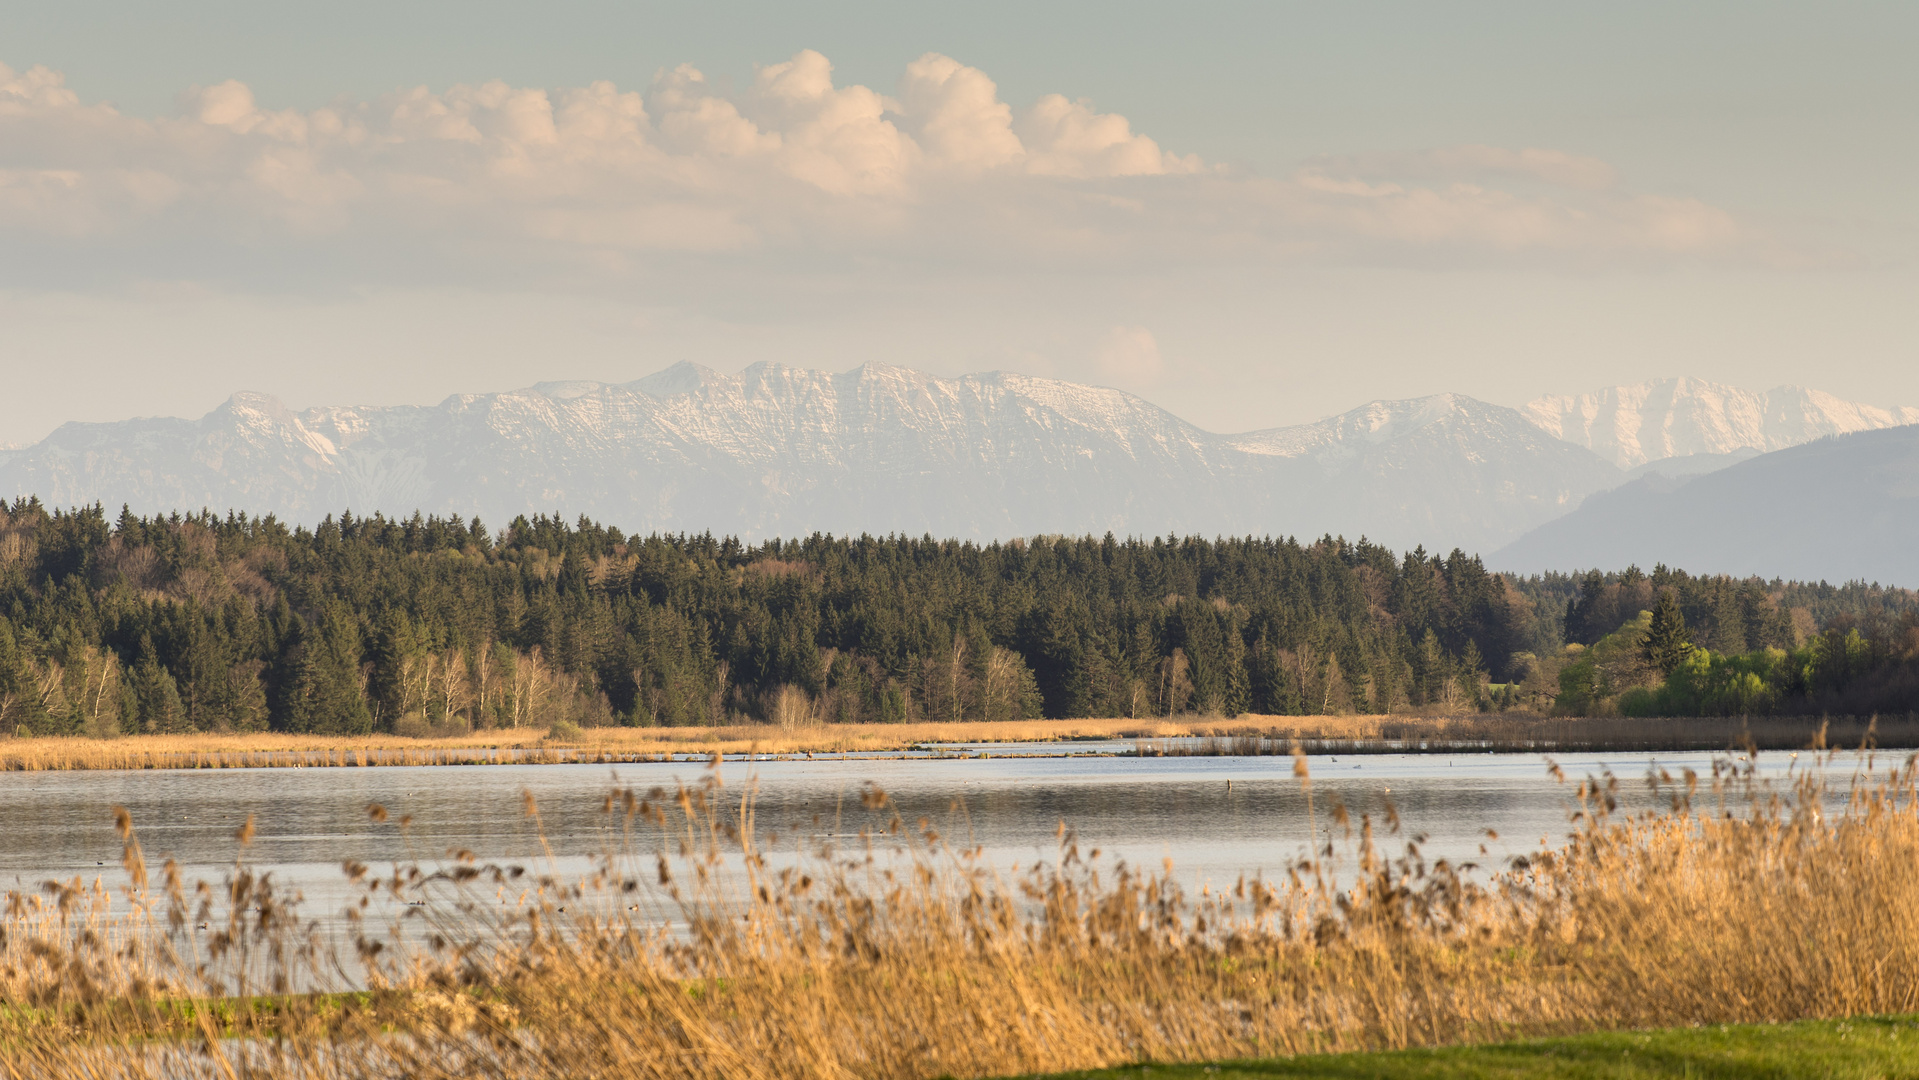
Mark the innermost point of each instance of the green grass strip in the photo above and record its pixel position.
(1866, 1047)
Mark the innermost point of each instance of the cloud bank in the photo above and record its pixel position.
(606, 179)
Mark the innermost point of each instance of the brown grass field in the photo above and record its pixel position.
(898, 956)
(1514, 732)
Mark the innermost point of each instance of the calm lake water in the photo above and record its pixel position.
(1215, 818)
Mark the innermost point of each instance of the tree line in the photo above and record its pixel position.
(198, 622)
(1705, 647)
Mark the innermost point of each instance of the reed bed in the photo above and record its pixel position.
(39, 755)
(1179, 736)
(1505, 733)
(603, 745)
(700, 947)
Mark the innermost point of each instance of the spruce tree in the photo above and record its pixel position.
(19, 696)
(1471, 665)
(157, 694)
(1239, 692)
(1665, 643)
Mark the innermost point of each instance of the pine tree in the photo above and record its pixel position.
(157, 695)
(1239, 693)
(1665, 643)
(395, 648)
(19, 697)
(1429, 670)
(339, 697)
(1471, 670)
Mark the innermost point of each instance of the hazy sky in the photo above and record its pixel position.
(1253, 214)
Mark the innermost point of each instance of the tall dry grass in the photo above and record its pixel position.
(904, 955)
(601, 745)
(503, 746)
(1510, 732)
(1522, 733)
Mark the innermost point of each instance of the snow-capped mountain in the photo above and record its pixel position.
(1435, 465)
(782, 451)
(1675, 418)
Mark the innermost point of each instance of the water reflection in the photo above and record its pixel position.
(1215, 818)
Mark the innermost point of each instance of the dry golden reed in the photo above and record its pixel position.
(720, 954)
(601, 745)
(1510, 732)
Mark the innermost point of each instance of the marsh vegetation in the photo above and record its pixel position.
(898, 952)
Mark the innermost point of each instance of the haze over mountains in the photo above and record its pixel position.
(1676, 418)
(1841, 508)
(782, 451)
(777, 450)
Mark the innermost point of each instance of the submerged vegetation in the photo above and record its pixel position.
(440, 627)
(702, 943)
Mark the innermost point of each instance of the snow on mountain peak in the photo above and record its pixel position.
(684, 377)
(1376, 422)
(778, 450)
(569, 389)
(1666, 418)
(263, 419)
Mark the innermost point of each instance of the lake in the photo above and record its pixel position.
(1215, 818)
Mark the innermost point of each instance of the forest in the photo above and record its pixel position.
(197, 622)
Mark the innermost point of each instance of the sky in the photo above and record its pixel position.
(1252, 214)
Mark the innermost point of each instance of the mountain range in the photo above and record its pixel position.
(1841, 508)
(1682, 418)
(784, 451)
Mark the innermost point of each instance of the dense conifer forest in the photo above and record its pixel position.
(365, 624)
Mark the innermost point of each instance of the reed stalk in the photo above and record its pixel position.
(1180, 736)
(702, 946)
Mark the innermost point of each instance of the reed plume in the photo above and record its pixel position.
(720, 951)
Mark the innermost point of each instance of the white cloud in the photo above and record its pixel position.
(1505, 221)
(1129, 355)
(599, 176)
(1477, 163)
(955, 114)
(228, 105)
(836, 138)
(694, 122)
(1067, 138)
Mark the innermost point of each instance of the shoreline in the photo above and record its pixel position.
(1176, 737)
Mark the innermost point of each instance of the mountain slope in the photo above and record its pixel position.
(1447, 463)
(1666, 418)
(1841, 508)
(784, 451)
